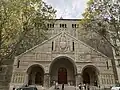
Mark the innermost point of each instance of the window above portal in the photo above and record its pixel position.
(63, 25)
(50, 25)
(75, 25)
(118, 62)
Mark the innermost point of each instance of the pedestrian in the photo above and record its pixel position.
(80, 86)
(88, 87)
(13, 88)
(63, 86)
(56, 85)
(83, 87)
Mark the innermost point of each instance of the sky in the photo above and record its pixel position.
(68, 9)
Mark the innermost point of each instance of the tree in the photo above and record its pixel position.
(104, 14)
(22, 25)
(103, 18)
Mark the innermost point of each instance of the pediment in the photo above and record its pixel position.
(62, 43)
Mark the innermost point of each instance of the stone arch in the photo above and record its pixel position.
(63, 63)
(35, 75)
(90, 75)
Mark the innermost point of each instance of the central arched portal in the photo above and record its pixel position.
(63, 70)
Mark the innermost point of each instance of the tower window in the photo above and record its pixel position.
(75, 25)
(50, 25)
(118, 62)
(18, 63)
(63, 25)
(52, 46)
(107, 64)
(1, 69)
(73, 46)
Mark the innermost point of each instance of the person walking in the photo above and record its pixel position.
(13, 88)
(63, 86)
(80, 86)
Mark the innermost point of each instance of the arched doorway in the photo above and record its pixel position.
(86, 78)
(35, 75)
(90, 75)
(62, 75)
(62, 70)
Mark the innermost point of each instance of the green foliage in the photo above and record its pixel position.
(22, 25)
(103, 18)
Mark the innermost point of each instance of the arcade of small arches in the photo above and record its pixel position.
(62, 70)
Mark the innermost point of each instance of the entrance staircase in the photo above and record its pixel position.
(66, 87)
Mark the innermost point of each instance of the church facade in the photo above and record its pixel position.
(63, 58)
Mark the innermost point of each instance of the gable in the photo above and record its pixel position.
(62, 43)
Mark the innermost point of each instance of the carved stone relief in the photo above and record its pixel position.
(107, 78)
(46, 69)
(79, 69)
(62, 44)
(43, 56)
(46, 80)
(18, 77)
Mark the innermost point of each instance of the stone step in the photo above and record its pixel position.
(66, 87)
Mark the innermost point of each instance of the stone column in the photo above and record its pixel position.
(46, 80)
(79, 79)
(99, 80)
(26, 79)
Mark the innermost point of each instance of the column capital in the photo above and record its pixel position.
(46, 74)
(78, 74)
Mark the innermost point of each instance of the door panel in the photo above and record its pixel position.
(62, 75)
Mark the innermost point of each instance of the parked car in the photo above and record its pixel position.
(27, 88)
(116, 87)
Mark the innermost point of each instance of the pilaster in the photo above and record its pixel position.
(46, 80)
(79, 79)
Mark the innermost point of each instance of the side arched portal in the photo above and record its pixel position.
(62, 70)
(35, 75)
(90, 75)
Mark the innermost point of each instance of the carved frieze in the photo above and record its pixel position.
(18, 77)
(43, 56)
(107, 78)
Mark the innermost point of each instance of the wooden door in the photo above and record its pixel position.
(62, 75)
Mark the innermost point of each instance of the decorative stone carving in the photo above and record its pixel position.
(63, 42)
(107, 79)
(79, 79)
(46, 80)
(18, 77)
(46, 69)
(43, 56)
(79, 69)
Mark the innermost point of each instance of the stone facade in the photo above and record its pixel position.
(63, 58)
